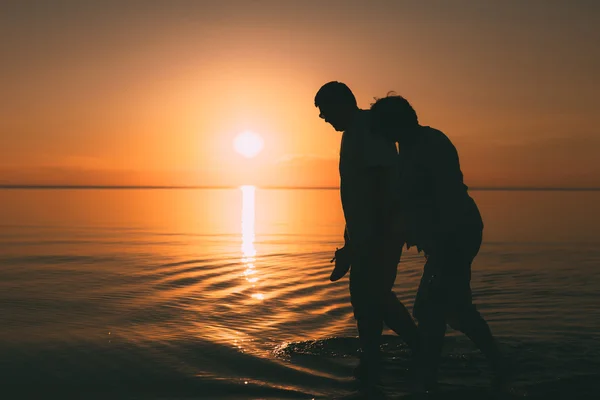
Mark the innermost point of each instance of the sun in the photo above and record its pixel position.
(248, 144)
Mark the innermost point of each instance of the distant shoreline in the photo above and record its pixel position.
(166, 187)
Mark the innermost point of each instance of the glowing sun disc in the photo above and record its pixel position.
(248, 144)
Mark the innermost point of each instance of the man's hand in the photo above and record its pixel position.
(342, 263)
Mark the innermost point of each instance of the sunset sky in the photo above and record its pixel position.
(154, 92)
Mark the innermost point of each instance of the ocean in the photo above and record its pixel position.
(224, 294)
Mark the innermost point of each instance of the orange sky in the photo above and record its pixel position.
(153, 93)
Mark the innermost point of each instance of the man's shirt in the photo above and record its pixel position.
(431, 194)
(367, 175)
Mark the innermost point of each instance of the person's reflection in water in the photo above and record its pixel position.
(367, 171)
(248, 250)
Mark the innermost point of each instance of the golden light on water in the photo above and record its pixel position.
(248, 234)
(248, 218)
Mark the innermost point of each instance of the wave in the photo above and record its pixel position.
(319, 368)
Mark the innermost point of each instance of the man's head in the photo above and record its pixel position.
(336, 104)
(393, 117)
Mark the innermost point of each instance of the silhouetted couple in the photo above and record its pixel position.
(413, 196)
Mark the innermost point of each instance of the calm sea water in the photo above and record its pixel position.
(225, 294)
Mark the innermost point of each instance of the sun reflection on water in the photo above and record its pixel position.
(248, 249)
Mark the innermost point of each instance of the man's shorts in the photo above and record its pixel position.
(446, 282)
(372, 277)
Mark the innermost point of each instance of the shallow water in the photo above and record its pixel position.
(225, 294)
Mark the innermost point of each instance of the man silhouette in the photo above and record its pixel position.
(438, 216)
(367, 169)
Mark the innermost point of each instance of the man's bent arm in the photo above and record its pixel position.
(448, 187)
(346, 237)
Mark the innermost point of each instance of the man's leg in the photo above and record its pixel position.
(429, 311)
(368, 304)
(395, 315)
(470, 322)
(465, 317)
(398, 319)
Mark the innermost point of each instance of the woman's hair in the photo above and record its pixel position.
(393, 109)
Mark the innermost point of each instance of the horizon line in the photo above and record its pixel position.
(266, 187)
